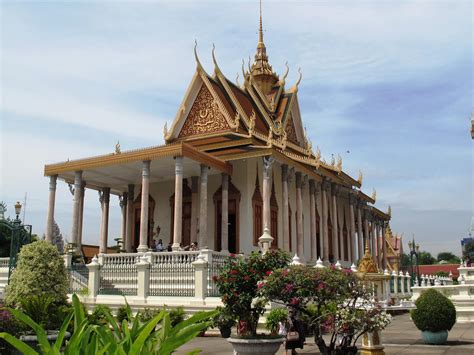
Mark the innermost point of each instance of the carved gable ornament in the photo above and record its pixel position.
(290, 130)
(204, 116)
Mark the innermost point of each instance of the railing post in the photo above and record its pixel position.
(94, 277)
(143, 274)
(200, 277)
(67, 260)
(395, 282)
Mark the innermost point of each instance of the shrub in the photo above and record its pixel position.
(176, 314)
(223, 319)
(274, 318)
(99, 315)
(38, 308)
(122, 314)
(40, 271)
(434, 312)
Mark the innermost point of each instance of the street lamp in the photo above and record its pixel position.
(17, 210)
(414, 250)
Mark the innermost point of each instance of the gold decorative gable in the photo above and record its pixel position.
(367, 263)
(290, 130)
(204, 116)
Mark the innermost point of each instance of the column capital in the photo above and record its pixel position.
(352, 199)
(312, 186)
(52, 182)
(178, 164)
(326, 185)
(146, 168)
(123, 199)
(299, 182)
(284, 172)
(335, 189)
(267, 166)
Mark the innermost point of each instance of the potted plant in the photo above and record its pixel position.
(224, 321)
(333, 302)
(274, 318)
(238, 283)
(434, 315)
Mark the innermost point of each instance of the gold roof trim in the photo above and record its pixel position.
(367, 265)
(152, 153)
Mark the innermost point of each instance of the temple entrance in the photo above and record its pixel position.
(233, 219)
(137, 208)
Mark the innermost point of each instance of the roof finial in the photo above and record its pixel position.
(260, 31)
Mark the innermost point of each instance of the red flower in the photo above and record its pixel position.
(246, 277)
(214, 278)
(289, 288)
(232, 255)
(294, 301)
(321, 286)
(233, 272)
(268, 273)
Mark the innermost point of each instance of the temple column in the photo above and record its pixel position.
(285, 212)
(104, 227)
(143, 246)
(266, 187)
(319, 207)
(384, 246)
(129, 224)
(178, 204)
(123, 207)
(312, 215)
(366, 229)
(335, 244)
(325, 189)
(75, 210)
(299, 216)
(194, 207)
(374, 238)
(360, 234)
(225, 213)
(81, 215)
(379, 244)
(352, 226)
(51, 202)
(203, 241)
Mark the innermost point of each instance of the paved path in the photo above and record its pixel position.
(400, 337)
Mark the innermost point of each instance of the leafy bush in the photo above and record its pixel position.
(154, 337)
(176, 314)
(8, 323)
(434, 312)
(223, 319)
(238, 285)
(122, 314)
(38, 308)
(274, 318)
(99, 315)
(40, 271)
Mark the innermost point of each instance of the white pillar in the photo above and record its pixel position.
(128, 238)
(81, 215)
(123, 207)
(360, 233)
(225, 213)
(384, 246)
(200, 277)
(143, 277)
(194, 207)
(178, 204)
(325, 189)
(267, 171)
(51, 202)
(104, 228)
(335, 235)
(312, 215)
(94, 277)
(352, 201)
(143, 247)
(299, 216)
(285, 208)
(203, 240)
(75, 210)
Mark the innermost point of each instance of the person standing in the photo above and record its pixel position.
(295, 336)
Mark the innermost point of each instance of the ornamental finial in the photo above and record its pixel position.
(360, 178)
(389, 211)
(374, 194)
(339, 163)
(117, 148)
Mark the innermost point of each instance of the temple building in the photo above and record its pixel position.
(236, 161)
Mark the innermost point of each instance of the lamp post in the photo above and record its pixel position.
(415, 270)
(17, 212)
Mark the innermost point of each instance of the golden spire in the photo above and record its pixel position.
(261, 69)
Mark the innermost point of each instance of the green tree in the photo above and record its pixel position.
(469, 248)
(425, 258)
(405, 260)
(448, 257)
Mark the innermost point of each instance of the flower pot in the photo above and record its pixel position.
(435, 338)
(255, 346)
(225, 331)
(32, 340)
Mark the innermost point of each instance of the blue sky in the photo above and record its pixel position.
(389, 81)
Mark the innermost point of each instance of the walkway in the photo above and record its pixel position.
(401, 337)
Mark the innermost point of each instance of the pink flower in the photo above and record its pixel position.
(289, 288)
(260, 284)
(268, 273)
(294, 301)
(321, 286)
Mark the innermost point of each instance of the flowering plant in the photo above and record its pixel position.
(239, 282)
(333, 300)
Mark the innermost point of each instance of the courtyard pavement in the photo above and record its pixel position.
(400, 337)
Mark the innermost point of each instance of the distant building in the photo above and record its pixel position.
(468, 239)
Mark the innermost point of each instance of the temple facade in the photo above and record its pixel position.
(236, 161)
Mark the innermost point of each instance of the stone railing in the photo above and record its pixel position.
(4, 262)
(148, 275)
